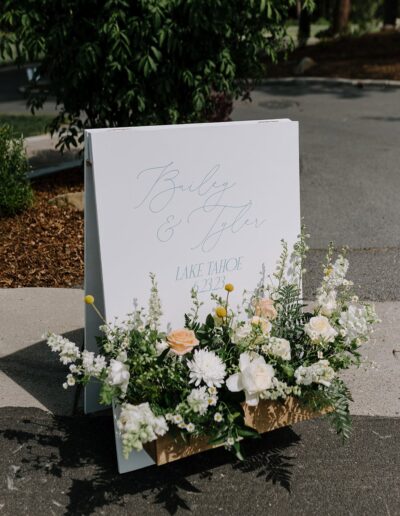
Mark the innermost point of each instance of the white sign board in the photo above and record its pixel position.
(198, 205)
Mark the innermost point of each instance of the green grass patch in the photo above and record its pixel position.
(26, 125)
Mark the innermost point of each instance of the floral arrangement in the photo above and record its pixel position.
(194, 380)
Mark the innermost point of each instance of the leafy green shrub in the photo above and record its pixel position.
(15, 190)
(121, 62)
(364, 15)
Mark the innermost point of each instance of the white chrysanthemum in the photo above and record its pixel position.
(206, 367)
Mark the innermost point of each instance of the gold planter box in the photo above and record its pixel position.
(267, 416)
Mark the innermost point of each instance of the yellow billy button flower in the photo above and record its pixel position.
(220, 311)
(89, 300)
(229, 287)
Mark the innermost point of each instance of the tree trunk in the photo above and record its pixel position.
(304, 27)
(390, 9)
(298, 8)
(341, 15)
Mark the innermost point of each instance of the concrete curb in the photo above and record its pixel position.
(329, 81)
(38, 138)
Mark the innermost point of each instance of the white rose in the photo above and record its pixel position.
(327, 302)
(118, 374)
(255, 376)
(242, 332)
(318, 328)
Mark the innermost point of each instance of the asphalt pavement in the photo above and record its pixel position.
(53, 463)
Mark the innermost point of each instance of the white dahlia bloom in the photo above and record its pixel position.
(319, 328)
(255, 376)
(206, 367)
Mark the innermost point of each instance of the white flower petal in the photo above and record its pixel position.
(244, 361)
(234, 382)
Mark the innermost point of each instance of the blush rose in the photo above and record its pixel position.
(265, 308)
(182, 341)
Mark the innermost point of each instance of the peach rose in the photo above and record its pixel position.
(182, 341)
(265, 308)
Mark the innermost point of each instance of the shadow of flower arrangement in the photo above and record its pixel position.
(76, 457)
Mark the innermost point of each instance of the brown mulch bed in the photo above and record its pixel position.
(43, 247)
(372, 56)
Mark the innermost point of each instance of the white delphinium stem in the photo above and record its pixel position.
(320, 372)
(155, 311)
(67, 350)
(138, 425)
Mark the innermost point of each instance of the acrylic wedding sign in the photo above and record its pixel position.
(198, 205)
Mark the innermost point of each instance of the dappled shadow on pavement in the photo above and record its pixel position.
(73, 459)
(37, 370)
(67, 466)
